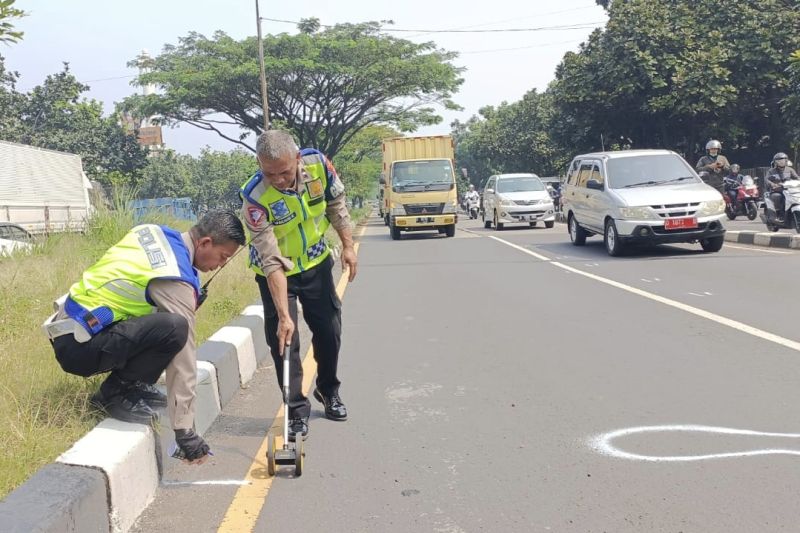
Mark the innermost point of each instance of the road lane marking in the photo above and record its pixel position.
(756, 249)
(603, 443)
(205, 482)
(734, 324)
(521, 249)
(246, 506)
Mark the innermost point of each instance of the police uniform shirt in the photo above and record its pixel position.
(264, 239)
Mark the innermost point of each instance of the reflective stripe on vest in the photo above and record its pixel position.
(298, 218)
(115, 288)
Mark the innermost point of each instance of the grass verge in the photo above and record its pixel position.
(44, 410)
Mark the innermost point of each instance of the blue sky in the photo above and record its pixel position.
(98, 38)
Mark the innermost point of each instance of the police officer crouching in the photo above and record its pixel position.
(132, 314)
(287, 207)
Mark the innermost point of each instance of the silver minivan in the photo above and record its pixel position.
(516, 198)
(641, 197)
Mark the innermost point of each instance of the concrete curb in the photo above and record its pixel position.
(773, 240)
(105, 481)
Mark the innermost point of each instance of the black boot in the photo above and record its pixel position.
(334, 407)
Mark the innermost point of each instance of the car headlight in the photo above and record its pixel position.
(638, 213)
(398, 211)
(711, 208)
(449, 209)
(506, 201)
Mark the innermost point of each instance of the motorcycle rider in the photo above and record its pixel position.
(471, 196)
(779, 173)
(713, 166)
(731, 183)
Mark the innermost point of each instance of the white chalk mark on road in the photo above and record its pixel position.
(237, 482)
(604, 443)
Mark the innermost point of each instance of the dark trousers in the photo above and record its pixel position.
(777, 200)
(138, 349)
(322, 311)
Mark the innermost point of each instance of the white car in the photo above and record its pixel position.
(14, 238)
(515, 198)
(641, 196)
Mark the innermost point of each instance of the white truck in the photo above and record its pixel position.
(43, 190)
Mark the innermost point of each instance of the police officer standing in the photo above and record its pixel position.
(287, 207)
(132, 314)
(713, 166)
(779, 173)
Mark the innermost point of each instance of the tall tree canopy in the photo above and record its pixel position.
(324, 85)
(7, 13)
(510, 138)
(676, 73)
(54, 115)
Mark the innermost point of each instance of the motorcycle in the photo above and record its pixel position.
(790, 217)
(472, 208)
(746, 199)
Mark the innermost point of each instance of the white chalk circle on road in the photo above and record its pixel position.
(604, 443)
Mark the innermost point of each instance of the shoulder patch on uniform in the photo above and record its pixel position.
(256, 216)
(336, 188)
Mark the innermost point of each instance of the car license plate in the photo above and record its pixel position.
(424, 220)
(680, 223)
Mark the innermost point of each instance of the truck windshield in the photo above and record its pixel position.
(434, 175)
(520, 184)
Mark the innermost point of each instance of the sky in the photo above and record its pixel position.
(98, 37)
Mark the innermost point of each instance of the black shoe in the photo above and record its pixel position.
(125, 407)
(298, 425)
(334, 408)
(149, 393)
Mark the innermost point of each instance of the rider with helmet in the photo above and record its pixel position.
(713, 166)
(779, 173)
(731, 182)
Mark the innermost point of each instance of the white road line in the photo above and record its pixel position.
(238, 482)
(735, 324)
(756, 249)
(521, 249)
(603, 443)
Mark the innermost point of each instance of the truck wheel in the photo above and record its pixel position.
(450, 230)
(395, 233)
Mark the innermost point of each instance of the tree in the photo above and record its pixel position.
(324, 86)
(359, 162)
(53, 115)
(167, 175)
(510, 138)
(7, 13)
(674, 74)
(217, 177)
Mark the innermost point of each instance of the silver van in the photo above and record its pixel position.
(641, 197)
(516, 198)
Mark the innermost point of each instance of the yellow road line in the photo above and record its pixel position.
(246, 506)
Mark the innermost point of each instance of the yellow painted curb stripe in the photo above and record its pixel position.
(246, 506)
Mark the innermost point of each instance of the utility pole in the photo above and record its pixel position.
(264, 103)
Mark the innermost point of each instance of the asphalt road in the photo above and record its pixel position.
(481, 376)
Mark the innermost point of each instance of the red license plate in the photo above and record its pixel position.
(680, 223)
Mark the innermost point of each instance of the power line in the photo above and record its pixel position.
(518, 48)
(581, 26)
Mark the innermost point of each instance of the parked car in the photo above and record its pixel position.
(14, 238)
(641, 196)
(514, 198)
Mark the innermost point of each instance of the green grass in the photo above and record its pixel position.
(44, 410)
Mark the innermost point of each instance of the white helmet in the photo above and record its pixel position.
(713, 144)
